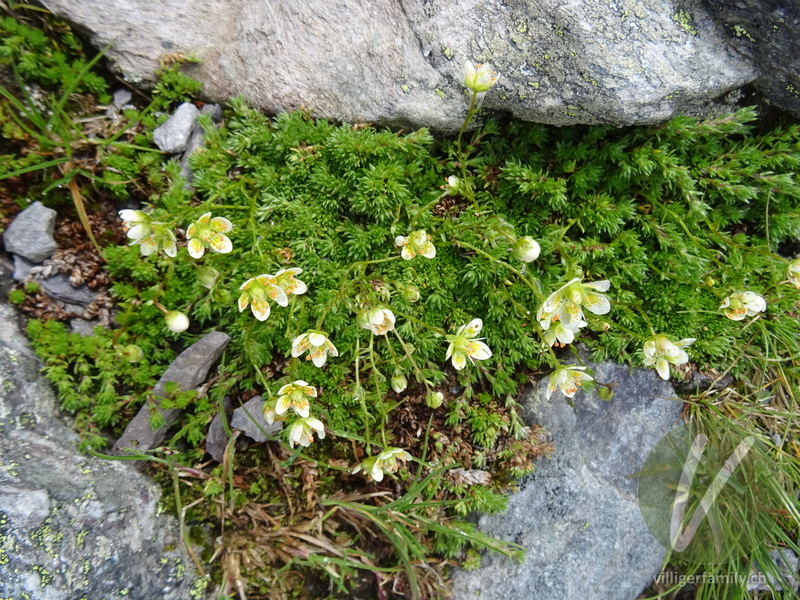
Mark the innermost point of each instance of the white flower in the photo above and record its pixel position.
(662, 352)
(794, 272)
(378, 320)
(256, 292)
(565, 304)
(285, 279)
(463, 345)
(479, 78)
(177, 321)
(567, 380)
(743, 304)
(302, 431)
(208, 232)
(160, 237)
(136, 224)
(526, 249)
(319, 344)
(385, 461)
(559, 333)
(270, 416)
(417, 243)
(295, 396)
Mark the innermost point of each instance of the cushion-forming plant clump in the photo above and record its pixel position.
(358, 270)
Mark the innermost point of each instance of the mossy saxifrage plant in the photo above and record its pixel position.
(349, 264)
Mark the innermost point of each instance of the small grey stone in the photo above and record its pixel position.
(577, 515)
(173, 135)
(83, 327)
(58, 287)
(195, 142)
(22, 268)
(249, 419)
(30, 235)
(215, 110)
(786, 561)
(122, 97)
(188, 370)
(216, 438)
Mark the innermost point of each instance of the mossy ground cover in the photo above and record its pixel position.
(666, 224)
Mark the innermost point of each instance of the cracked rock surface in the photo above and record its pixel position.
(577, 515)
(400, 61)
(71, 525)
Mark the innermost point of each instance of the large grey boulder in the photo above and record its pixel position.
(577, 515)
(400, 61)
(767, 33)
(74, 526)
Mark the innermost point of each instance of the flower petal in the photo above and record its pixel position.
(221, 224)
(277, 294)
(479, 350)
(260, 309)
(459, 360)
(662, 367)
(282, 405)
(219, 242)
(596, 303)
(244, 300)
(600, 286)
(473, 328)
(196, 248)
(299, 344)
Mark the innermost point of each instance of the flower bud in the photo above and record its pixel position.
(207, 276)
(410, 293)
(526, 249)
(453, 183)
(399, 382)
(222, 297)
(132, 353)
(177, 321)
(358, 394)
(434, 400)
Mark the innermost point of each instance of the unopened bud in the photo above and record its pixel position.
(399, 382)
(132, 353)
(177, 321)
(434, 400)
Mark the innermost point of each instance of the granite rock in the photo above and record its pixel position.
(249, 419)
(577, 515)
(173, 135)
(58, 287)
(400, 61)
(74, 526)
(189, 370)
(30, 234)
